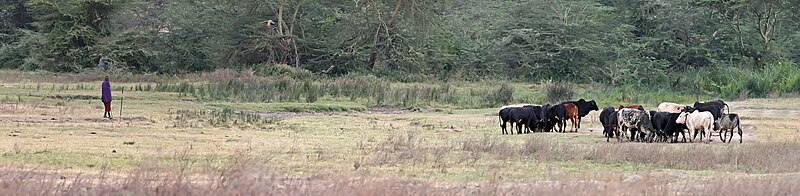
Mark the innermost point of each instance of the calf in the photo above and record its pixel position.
(584, 108)
(697, 121)
(728, 123)
(671, 107)
(572, 115)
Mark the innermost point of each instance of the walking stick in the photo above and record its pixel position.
(122, 98)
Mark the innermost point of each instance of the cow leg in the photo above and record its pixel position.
(574, 124)
(503, 126)
(740, 133)
(511, 123)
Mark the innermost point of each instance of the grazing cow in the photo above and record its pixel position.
(613, 125)
(533, 121)
(572, 115)
(522, 116)
(728, 123)
(505, 116)
(557, 115)
(584, 108)
(719, 103)
(544, 118)
(671, 107)
(603, 116)
(634, 106)
(697, 121)
(660, 121)
(629, 119)
(646, 129)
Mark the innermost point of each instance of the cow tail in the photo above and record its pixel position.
(729, 108)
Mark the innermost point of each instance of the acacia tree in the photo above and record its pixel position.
(754, 22)
(387, 38)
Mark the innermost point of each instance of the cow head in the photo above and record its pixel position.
(682, 118)
(592, 105)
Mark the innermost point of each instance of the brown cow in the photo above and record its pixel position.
(634, 106)
(572, 115)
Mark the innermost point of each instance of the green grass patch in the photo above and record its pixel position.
(293, 107)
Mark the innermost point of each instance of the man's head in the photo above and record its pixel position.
(106, 78)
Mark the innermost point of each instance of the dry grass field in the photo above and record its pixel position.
(55, 142)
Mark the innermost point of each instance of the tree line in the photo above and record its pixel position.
(609, 41)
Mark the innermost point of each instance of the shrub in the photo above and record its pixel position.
(282, 70)
(557, 92)
(502, 95)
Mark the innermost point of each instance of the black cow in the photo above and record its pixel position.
(505, 116)
(719, 103)
(646, 130)
(557, 115)
(603, 116)
(544, 119)
(673, 129)
(533, 121)
(660, 121)
(613, 125)
(584, 108)
(524, 116)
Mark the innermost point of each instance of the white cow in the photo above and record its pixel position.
(671, 107)
(697, 121)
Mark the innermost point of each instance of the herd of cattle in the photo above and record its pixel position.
(667, 123)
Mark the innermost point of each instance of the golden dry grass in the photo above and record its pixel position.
(44, 129)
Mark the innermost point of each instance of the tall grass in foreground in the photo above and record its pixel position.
(749, 157)
(242, 176)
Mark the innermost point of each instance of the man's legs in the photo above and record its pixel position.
(107, 113)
